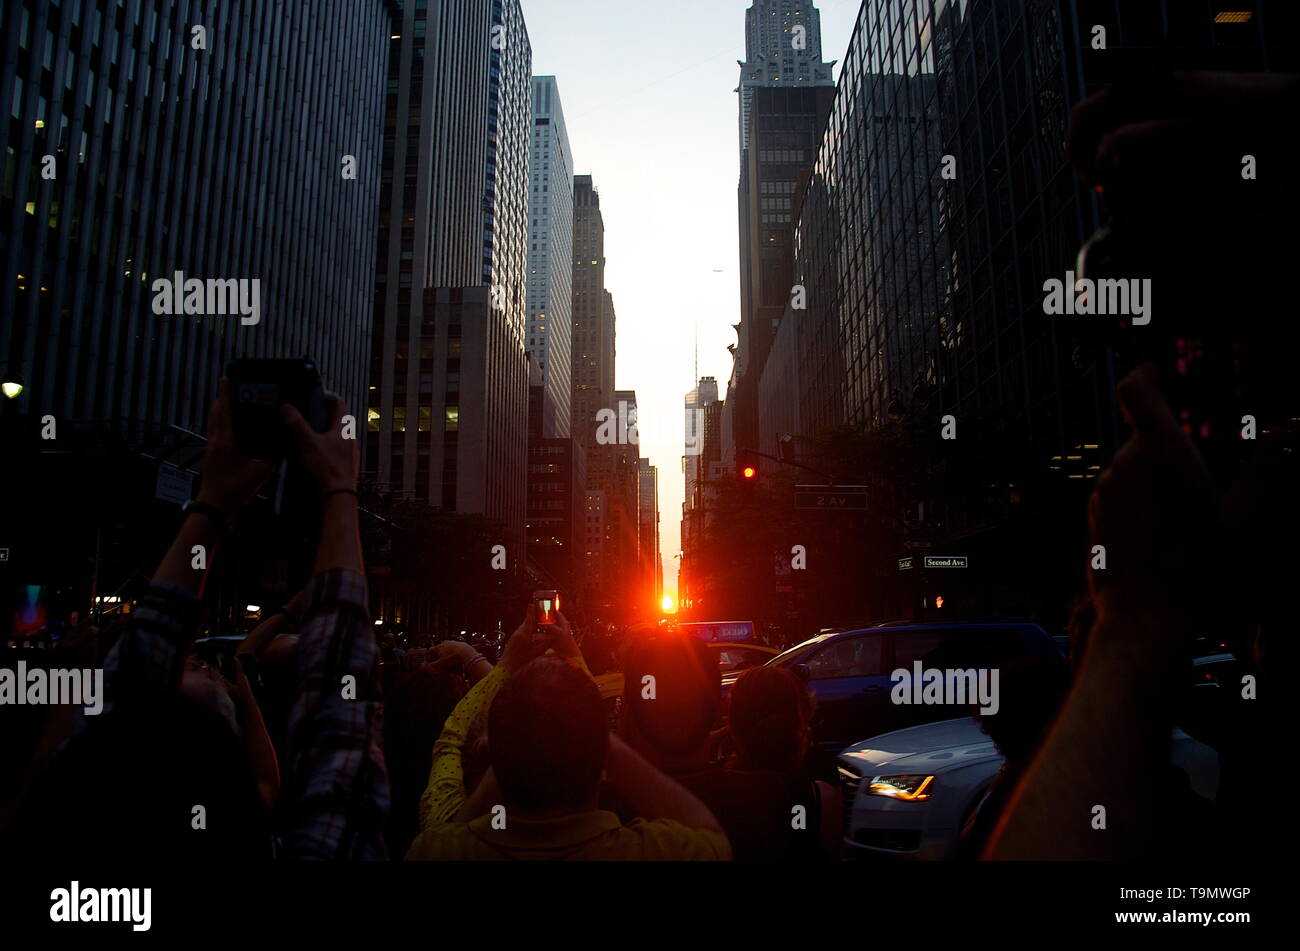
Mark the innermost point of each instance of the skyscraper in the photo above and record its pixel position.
(783, 46)
(785, 95)
(447, 415)
(593, 316)
(648, 560)
(936, 208)
(702, 456)
(139, 155)
(130, 155)
(550, 256)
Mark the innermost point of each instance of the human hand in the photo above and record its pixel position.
(330, 458)
(296, 603)
(559, 637)
(1154, 130)
(523, 646)
(453, 654)
(241, 690)
(230, 479)
(1154, 512)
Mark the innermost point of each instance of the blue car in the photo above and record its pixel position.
(848, 671)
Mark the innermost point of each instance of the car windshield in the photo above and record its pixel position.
(738, 658)
(787, 656)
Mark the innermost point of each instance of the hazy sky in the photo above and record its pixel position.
(647, 88)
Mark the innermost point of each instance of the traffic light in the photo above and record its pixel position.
(746, 466)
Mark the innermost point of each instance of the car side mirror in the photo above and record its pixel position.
(802, 671)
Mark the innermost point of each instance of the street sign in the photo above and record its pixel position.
(916, 544)
(945, 561)
(4, 554)
(904, 563)
(834, 497)
(173, 484)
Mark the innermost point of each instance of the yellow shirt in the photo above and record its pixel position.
(591, 836)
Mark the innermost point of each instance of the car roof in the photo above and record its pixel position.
(890, 626)
(904, 623)
(925, 626)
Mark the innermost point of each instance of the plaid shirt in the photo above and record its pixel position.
(338, 786)
(150, 650)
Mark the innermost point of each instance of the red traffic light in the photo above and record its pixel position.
(749, 472)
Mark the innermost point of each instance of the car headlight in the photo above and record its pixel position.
(912, 788)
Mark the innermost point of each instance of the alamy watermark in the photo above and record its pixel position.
(951, 687)
(37, 686)
(1103, 297)
(75, 904)
(197, 297)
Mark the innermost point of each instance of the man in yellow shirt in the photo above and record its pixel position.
(549, 746)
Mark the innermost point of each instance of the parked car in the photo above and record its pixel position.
(908, 793)
(848, 671)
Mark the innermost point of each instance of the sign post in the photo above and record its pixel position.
(834, 497)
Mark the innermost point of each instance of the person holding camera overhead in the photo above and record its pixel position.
(184, 788)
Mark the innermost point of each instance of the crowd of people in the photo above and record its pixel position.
(303, 749)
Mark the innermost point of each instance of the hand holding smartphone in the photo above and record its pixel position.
(546, 604)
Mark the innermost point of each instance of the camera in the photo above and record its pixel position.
(258, 387)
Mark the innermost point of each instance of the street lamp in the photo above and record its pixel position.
(11, 385)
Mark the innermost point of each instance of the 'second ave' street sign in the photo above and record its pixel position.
(945, 561)
(836, 497)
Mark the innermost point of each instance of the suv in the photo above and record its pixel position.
(848, 671)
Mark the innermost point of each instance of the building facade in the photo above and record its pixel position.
(785, 94)
(550, 255)
(447, 414)
(228, 155)
(648, 555)
(131, 156)
(592, 371)
(937, 206)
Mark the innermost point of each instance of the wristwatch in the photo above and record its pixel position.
(193, 506)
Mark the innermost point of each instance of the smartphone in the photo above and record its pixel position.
(258, 388)
(545, 606)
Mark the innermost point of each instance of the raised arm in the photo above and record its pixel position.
(1154, 512)
(339, 782)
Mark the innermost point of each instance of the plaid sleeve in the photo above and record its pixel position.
(339, 785)
(147, 656)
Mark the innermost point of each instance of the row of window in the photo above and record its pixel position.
(782, 156)
(424, 419)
